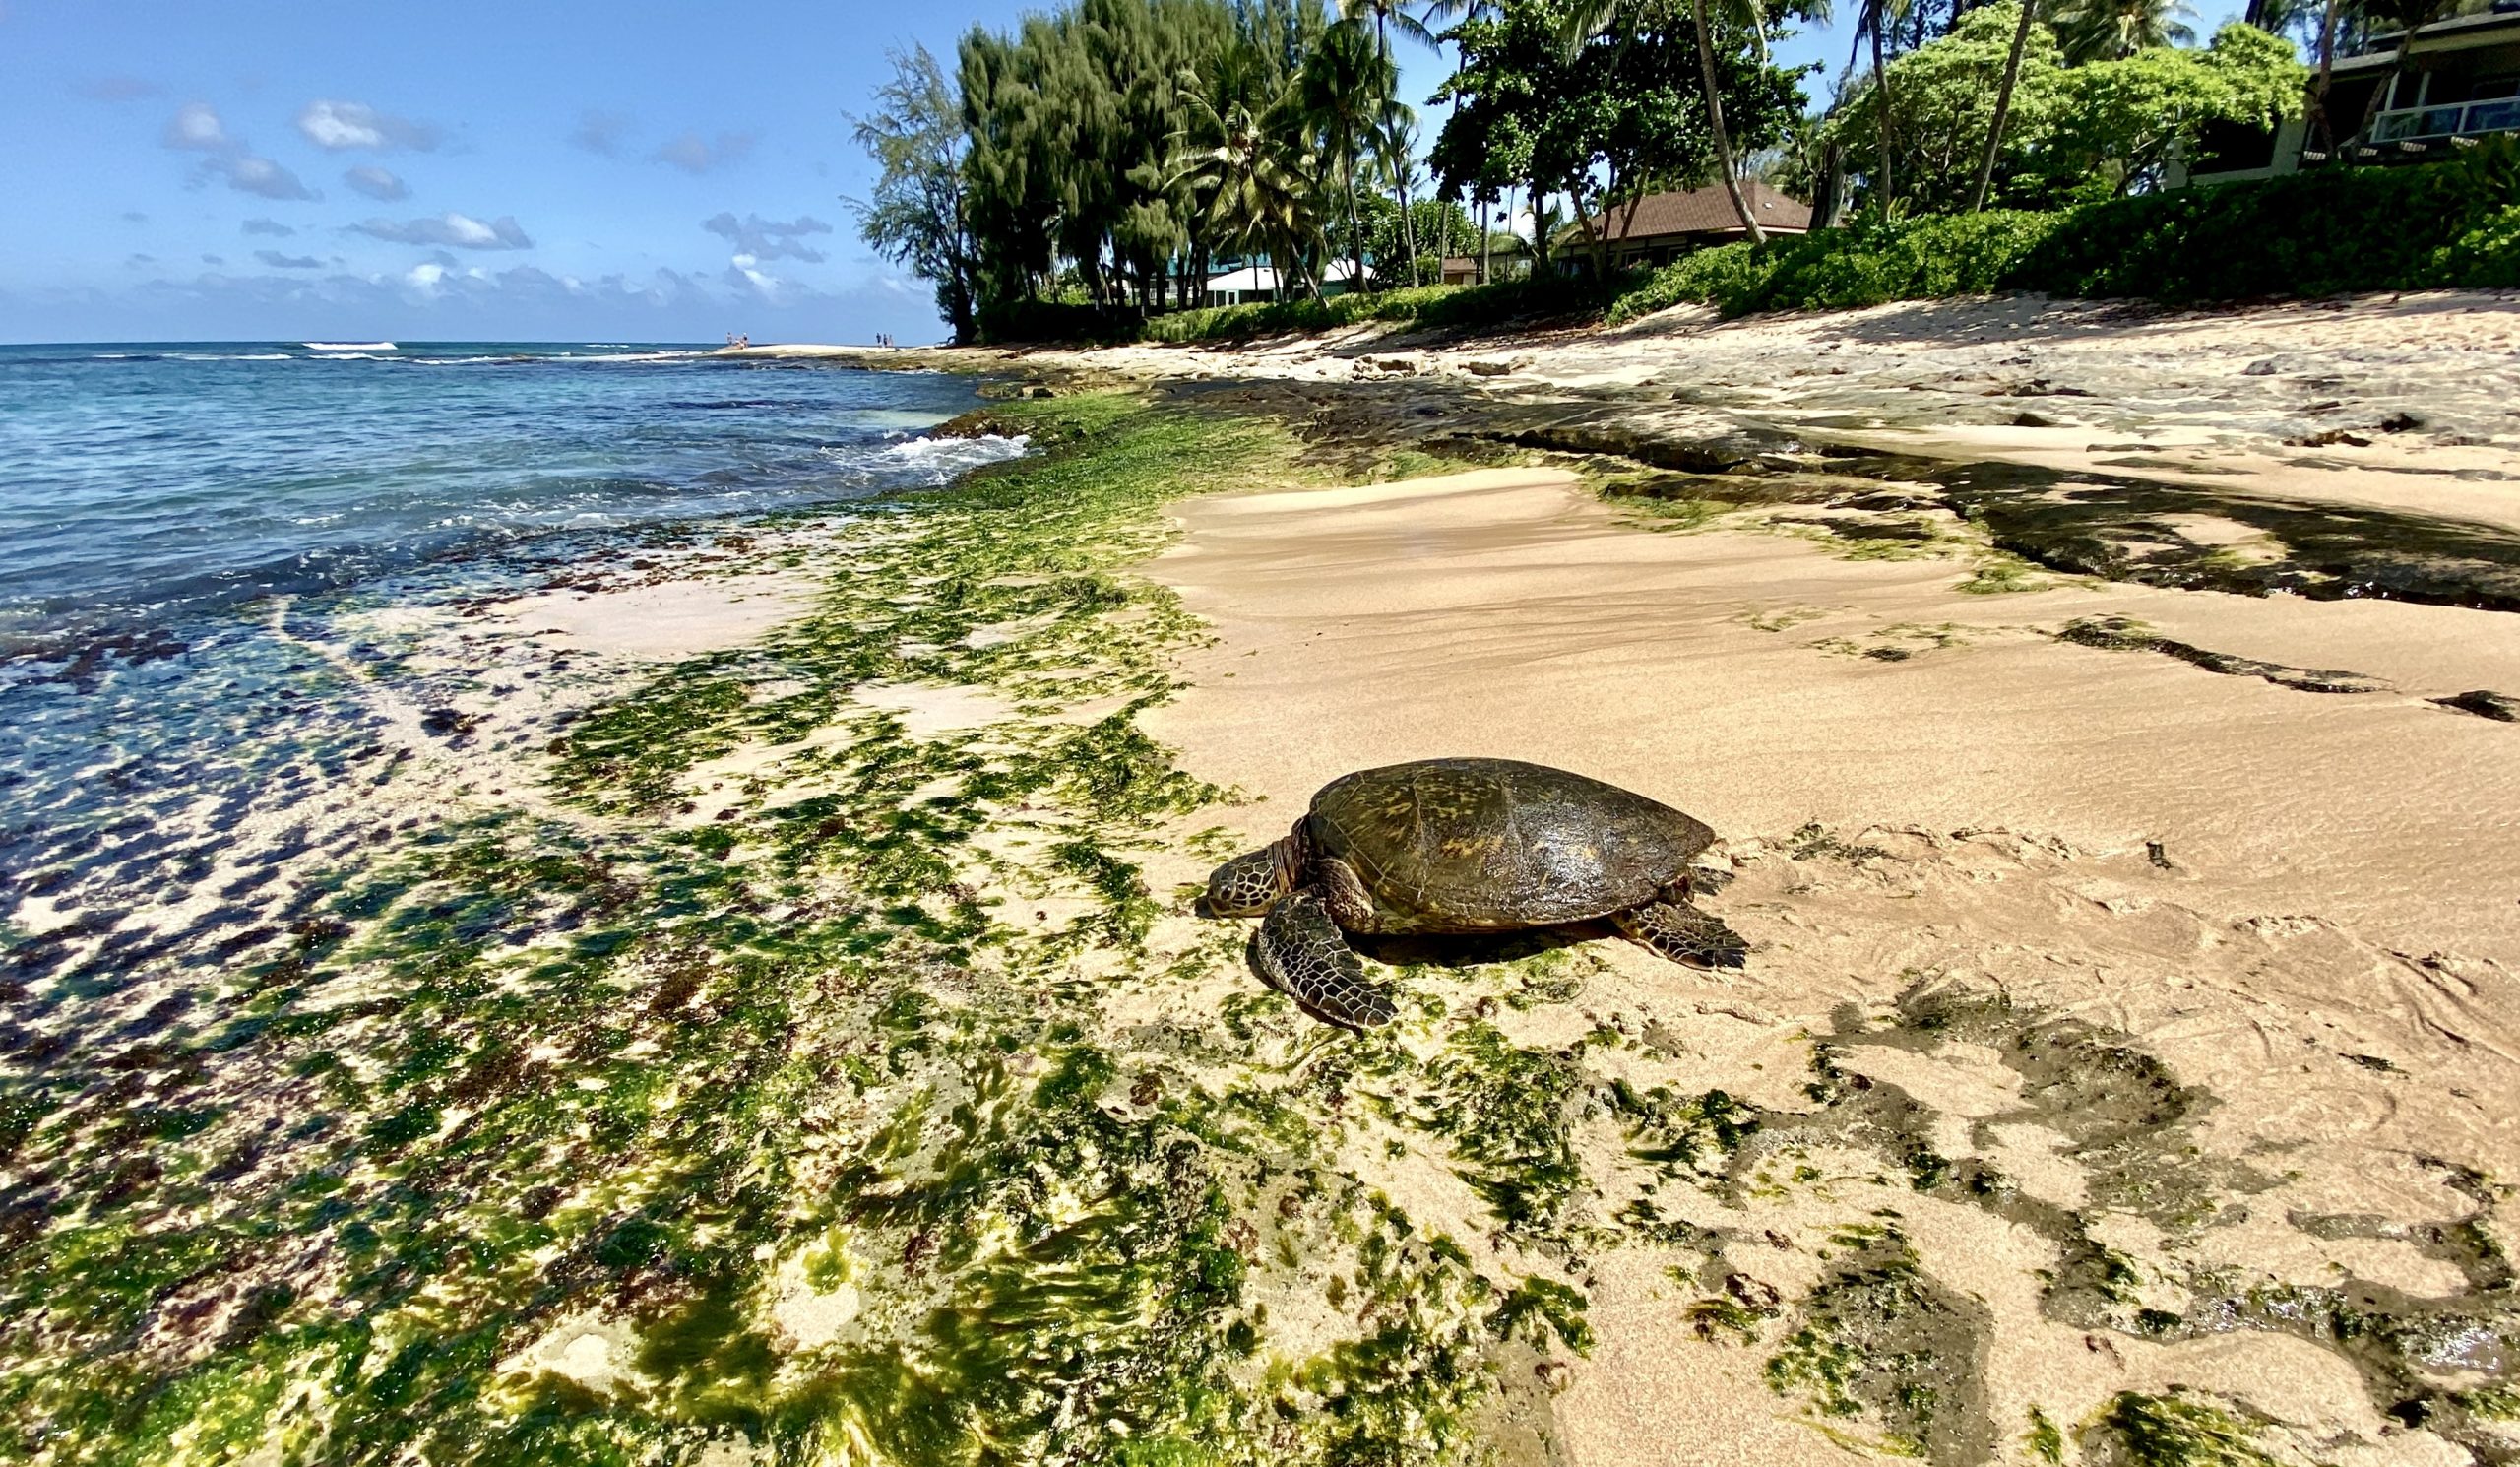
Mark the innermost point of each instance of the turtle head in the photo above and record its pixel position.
(1251, 883)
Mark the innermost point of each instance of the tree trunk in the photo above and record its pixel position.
(1715, 121)
(1596, 242)
(1356, 238)
(1881, 102)
(2003, 104)
(1485, 253)
(1539, 235)
(2320, 131)
(1829, 206)
(1407, 226)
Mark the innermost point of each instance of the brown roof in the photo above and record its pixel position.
(1702, 211)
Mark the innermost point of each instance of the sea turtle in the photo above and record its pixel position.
(1463, 846)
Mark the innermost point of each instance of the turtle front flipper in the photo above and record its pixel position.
(1303, 955)
(1683, 934)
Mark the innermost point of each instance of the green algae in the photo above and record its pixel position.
(2174, 1430)
(1508, 1112)
(1879, 1337)
(2045, 1441)
(758, 986)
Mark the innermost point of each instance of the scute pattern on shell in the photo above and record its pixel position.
(1486, 844)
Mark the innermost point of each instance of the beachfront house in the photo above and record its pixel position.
(1261, 281)
(2399, 96)
(1505, 262)
(1658, 228)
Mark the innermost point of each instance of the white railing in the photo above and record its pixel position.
(2456, 120)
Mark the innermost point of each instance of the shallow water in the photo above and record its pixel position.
(139, 481)
(200, 549)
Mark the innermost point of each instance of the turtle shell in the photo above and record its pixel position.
(1481, 845)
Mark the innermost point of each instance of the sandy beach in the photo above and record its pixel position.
(2299, 904)
(2281, 873)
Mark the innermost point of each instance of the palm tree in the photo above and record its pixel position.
(1341, 94)
(1591, 18)
(1256, 199)
(2112, 29)
(1454, 14)
(1396, 158)
(1388, 16)
(2003, 104)
(1876, 17)
(2321, 130)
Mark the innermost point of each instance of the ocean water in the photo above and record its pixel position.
(195, 542)
(144, 483)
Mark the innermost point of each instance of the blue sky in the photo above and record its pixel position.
(533, 169)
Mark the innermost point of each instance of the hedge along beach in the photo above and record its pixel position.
(793, 1037)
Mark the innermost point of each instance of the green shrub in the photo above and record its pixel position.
(1029, 320)
(2486, 257)
(2318, 234)
(2452, 224)
(1234, 322)
(1462, 306)
(2402, 229)
(1727, 275)
(1966, 254)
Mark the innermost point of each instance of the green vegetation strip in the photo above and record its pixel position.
(2442, 226)
(746, 1097)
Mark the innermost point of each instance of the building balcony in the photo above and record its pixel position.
(2455, 121)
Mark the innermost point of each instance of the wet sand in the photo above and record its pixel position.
(2302, 904)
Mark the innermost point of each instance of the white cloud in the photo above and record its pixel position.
(695, 155)
(769, 239)
(376, 183)
(249, 174)
(272, 226)
(425, 277)
(453, 230)
(340, 125)
(761, 282)
(197, 128)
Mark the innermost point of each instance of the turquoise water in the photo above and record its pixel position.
(140, 483)
(190, 535)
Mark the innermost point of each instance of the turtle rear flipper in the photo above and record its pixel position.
(1683, 934)
(1302, 954)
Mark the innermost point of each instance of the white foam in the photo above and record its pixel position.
(935, 461)
(349, 346)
